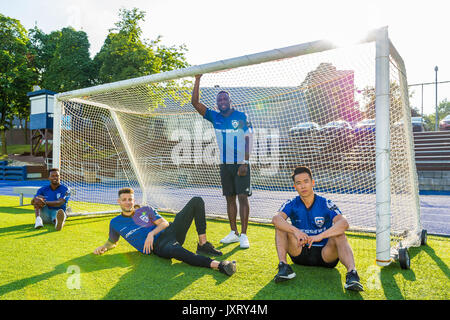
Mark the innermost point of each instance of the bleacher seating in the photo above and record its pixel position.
(12, 172)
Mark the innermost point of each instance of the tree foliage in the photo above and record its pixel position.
(395, 99)
(430, 119)
(60, 61)
(126, 55)
(62, 58)
(17, 74)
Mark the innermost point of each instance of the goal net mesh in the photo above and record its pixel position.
(316, 110)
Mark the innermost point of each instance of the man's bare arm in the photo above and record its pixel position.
(161, 224)
(340, 225)
(195, 100)
(102, 249)
(279, 221)
(56, 203)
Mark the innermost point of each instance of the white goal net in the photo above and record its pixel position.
(314, 107)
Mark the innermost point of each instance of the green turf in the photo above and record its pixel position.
(39, 264)
(18, 149)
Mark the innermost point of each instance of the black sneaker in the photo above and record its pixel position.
(208, 248)
(227, 267)
(285, 272)
(352, 281)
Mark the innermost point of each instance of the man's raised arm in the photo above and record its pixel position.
(195, 100)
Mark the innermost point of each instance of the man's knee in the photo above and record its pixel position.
(231, 199)
(242, 198)
(197, 201)
(290, 239)
(336, 240)
(39, 205)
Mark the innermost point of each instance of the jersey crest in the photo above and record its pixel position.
(144, 217)
(319, 221)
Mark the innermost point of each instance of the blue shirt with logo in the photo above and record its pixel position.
(230, 133)
(135, 228)
(62, 192)
(314, 220)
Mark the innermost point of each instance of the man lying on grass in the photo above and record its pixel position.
(316, 236)
(148, 232)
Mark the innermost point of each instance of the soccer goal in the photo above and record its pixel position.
(344, 112)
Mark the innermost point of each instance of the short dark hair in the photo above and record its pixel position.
(226, 92)
(126, 190)
(301, 169)
(53, 169)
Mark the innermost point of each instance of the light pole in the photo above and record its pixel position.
(437, 117)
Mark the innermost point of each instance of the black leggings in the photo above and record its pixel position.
(169, 243)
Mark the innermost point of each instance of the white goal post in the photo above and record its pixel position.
(144, 133)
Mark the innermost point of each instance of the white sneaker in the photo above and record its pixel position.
(38, 224)
(243, 239)
(60, 219)
(230, 238)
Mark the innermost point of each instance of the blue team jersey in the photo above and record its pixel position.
(134, 229)
(313, 221)
(230, 133)
(62, 192)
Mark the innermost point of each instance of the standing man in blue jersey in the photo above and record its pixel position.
(148, 232)
(50, 202)
(316, 236)
(233, 133)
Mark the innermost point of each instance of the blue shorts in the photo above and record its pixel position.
(48, 215)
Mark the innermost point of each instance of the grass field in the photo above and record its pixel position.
(45, 264)
(18, 149)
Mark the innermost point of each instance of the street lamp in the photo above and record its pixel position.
(437, 117)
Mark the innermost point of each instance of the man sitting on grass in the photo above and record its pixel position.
(50, 202)
(148, 232)
(316, 236)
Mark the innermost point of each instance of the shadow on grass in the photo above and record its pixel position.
(48, 228)
(430, 251)
(310, 283)
(17, 229)
(150, 277)
(16, 210)
(390, 287)
(389, 284)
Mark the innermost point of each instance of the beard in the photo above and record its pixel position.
(224, 109)
(127, 209)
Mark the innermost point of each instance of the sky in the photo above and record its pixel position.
(213, 30)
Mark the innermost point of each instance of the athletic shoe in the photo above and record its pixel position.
(285, 272)
(38, 224)
(230, 238)
(352, 281)
(60, 219)
(243, 240)
(208, 248)
(227, 267)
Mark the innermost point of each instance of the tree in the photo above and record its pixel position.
(126, 55)
(443, 110)
(17, 74)
(62, 58)
(395, 100)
